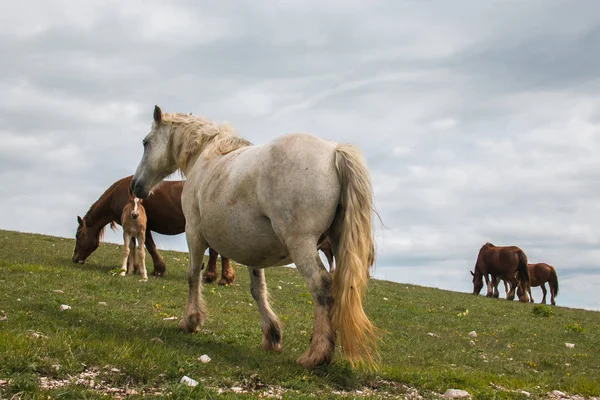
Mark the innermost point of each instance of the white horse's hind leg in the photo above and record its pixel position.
(269, 323)
(322, 343)
(126, 240)
(195, 312)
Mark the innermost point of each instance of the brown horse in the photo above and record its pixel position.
(508, 262)
(165, 216)
(539, 274)
(133, 221)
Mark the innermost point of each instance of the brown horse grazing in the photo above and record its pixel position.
(539, 274)
(508, 262)
(133, 221)
(165, 216)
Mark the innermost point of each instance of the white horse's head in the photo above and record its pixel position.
(158, 160)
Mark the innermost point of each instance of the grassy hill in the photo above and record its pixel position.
(126, 346)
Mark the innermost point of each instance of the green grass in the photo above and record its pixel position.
(516, 347)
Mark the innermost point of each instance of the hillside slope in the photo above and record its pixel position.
(128, 345)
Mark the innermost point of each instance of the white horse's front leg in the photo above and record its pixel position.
(127, 240)
(195, 312)
(269, 323)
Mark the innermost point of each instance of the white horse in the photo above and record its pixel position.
(269, 205)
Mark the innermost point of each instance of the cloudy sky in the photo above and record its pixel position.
(480, 121)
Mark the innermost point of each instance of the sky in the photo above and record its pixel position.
(479, 121)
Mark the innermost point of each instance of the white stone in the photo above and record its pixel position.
(526, 393)
(237, 389)
(204, 358)
(64, 307)
(456, 394)
(58, 291)
(473, 334)
(558, 393)
(471, 343)
(102, 303)
(188, 381)
(569, 345)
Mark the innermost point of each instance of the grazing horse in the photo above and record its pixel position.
(133, 221)
(269, 205)
(503, 262)
(539, 274)
(165, 216)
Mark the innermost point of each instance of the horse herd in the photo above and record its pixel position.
(509, 264)
(269, 205)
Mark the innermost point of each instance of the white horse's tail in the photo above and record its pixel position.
(354, 256)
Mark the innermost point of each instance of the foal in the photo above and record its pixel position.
(133, 221)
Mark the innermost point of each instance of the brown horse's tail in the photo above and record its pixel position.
(522, 272)
(553, 280)
(354, 256)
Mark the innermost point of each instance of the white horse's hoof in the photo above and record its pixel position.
(122, 273)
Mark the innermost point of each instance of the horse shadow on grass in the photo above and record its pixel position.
(244, 359)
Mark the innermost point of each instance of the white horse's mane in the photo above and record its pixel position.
(201, 135)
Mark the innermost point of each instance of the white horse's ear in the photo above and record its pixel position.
(157, 114)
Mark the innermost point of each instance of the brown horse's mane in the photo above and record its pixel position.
(103, 198)
(113, 226)
(202, 135)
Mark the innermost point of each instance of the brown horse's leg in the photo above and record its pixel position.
(126, 250)
(141, 240)
(227, 272)
(326, 249)
(210, 275)
(544, 291)
(513, 286)
(132, 256)
(495, 282)
(159, 265)
(269, 323)
(329, 255)
(488, 284)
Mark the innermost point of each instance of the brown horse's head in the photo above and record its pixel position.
(477, 281)
(87, 239)
(134, 207)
